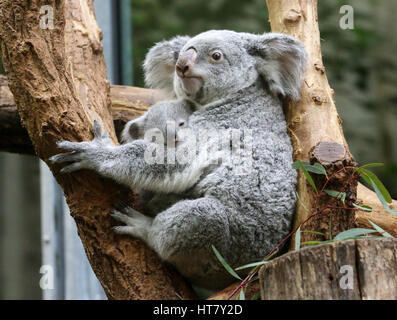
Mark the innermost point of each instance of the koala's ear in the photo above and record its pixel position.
(133, 130)
(159, 64)
(281, 61)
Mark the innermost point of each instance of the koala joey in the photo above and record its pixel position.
(163, 120)
(239, 82)
(162, 124)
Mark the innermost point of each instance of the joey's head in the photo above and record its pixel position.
(217, 63)
(161, 123)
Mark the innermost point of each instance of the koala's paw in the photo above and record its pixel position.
(83, 155)
(136, 224)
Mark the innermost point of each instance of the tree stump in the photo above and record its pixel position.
(362, 269)
(332, 216)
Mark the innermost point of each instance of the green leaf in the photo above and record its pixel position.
(242, 294)
(380, 230)
(352, 233)
(316, 168)
(336, 194)
(371, 178)
(251, 265)
(311, 243)
(298, 239)
(256, 264)
(225, 265)
(382, 199)
(371, 165)
(363, 207)
(299, 165)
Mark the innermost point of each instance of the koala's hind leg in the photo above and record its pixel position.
(183, 235)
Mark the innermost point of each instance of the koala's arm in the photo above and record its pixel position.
(126, 163)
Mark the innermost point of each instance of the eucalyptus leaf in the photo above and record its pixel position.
(315, 168)
(371, 165)
(363, 207)
(311, 243)
(372, 176)
(336, 194)
(352, 233)
(380, 230)
(251, 265)
(382, 199)
(225, 264)
(300, 165)
(242, 294)
(298, 239)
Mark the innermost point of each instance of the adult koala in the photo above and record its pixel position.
(239, 81)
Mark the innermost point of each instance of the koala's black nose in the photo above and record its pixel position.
(185, 63)
(181, 70)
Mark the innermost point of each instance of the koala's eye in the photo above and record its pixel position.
(216, 56)
(181, 123)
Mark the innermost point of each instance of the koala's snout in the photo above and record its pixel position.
(185, 63)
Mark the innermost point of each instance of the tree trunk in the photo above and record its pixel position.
(58, 79)
(322, 272)
(315, 127)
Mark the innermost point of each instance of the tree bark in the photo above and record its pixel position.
(126, 103)
(58, 79)
(314, 125)
(321, 272)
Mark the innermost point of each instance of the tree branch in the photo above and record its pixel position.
(126, 103)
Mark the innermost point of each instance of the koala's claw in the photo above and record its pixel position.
(72, 146)
(65, 157)
(121, 217)
(137, 224)
(121, 205)
(125, 208)
(123, 230)
(73, 167)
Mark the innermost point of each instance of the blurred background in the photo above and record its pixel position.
(361, 66)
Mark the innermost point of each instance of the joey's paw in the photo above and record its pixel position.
(86, 154)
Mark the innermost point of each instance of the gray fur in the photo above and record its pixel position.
(166, 118)
(243, 215)
(160, 62)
